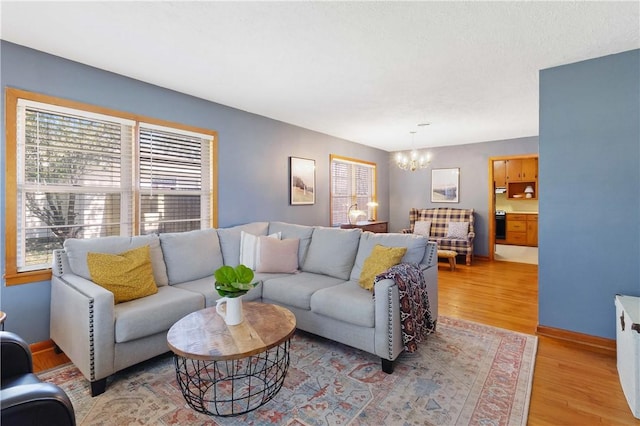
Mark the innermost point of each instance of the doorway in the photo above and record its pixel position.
(513, 208)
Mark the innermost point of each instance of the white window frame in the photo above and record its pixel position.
(129, 188)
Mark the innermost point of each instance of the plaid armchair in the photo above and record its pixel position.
(440, 219)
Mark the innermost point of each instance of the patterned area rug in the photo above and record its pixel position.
(464, 374)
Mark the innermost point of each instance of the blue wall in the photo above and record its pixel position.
(252, 166)
(589, 229)
(412, 189)
(589, 148)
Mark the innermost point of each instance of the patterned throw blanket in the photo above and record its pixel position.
(415, 314)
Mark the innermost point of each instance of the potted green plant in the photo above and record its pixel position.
(231, 284)
(234, 282)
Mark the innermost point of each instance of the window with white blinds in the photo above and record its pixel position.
(175, 181)
(80, 174)
(352, 182)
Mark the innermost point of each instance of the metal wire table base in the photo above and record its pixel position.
(232, 387)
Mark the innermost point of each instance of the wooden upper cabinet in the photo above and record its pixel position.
(522, 169)
(499, 173)
(529, 169)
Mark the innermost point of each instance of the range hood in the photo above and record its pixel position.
(501, 190)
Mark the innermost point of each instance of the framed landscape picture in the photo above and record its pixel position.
(445, 185)
(302, 181)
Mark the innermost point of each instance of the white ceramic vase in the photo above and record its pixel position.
(232, 315)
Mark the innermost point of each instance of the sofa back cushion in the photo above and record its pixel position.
(292, 231)
(77, 250)
(439, 218)
(415, 245)
(191, 255)
(230, 240)
(332, 251)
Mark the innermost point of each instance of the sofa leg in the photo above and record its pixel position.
(469, 260)
(56, 349)
(98, 387)
(387, 366)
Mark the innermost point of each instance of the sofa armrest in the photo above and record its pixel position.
(406, 231)
(471, 236)
(388, 335)
(82, 324)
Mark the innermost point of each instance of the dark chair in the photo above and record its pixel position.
(24, 399)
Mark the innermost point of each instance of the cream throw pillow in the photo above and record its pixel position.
(278, 255)
(127, 275)
(250, 250)
(380, 259)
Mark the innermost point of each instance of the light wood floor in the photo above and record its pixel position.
(572, 385)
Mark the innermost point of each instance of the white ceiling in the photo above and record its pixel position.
(368, 72)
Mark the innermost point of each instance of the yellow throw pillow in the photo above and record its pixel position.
(127, 275)
(380, 259)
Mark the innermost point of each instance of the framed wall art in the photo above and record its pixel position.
(302, 181)
(445, 185)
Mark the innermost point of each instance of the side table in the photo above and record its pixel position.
(375, 226)
(230, 370)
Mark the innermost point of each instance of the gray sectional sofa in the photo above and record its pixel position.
(101, 337)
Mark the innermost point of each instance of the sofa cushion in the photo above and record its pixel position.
(332, 252)
(301, 232)
(230, 240)
(154, 314)
(415, 244)
(380, 259)
(296, 290)
(77, 250)
(346, 302)
(127, 275)
(191, 255)
(250, 248)
(278, 256)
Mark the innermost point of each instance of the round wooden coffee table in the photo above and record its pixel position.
(230, 370)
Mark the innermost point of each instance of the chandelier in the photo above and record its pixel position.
(414, 160)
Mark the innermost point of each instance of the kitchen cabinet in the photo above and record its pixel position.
(532, 230)
(522, 229)
(522, 169)
(499, 174)
(521, 173)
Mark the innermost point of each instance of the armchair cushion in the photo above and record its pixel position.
(457, 230)
(422, 227)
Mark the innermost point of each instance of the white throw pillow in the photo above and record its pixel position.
(250, 248)
(278, 256)
(458, 230)
(422, 227)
